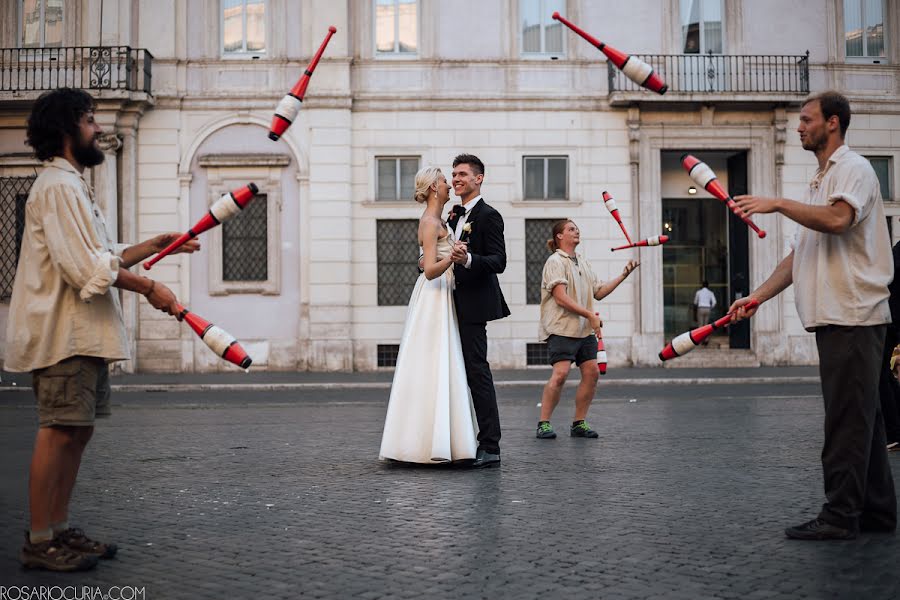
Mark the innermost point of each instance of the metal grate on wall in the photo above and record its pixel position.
(13, 195)
(537, 232)
(398, 260)
(537, 354)
(245, 243)
(387, 355)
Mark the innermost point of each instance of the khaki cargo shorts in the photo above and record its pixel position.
(72, 392)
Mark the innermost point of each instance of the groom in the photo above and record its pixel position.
(479, 254)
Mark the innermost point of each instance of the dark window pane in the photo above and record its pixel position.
(537, 232)
(557, 184)
(408, 169)
(398, 258)
(882, 167)
(387, 355)
(534, 178)
(13, 195)
(387, 179)
(245, 255)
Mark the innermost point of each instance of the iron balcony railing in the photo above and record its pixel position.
(722, 73)
(84, 67)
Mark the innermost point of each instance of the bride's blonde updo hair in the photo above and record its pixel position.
(425, 178)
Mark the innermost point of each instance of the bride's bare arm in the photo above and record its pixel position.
(429, 230)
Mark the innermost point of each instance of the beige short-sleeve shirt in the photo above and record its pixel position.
(62, 301)
(581, 284)
(842, 279)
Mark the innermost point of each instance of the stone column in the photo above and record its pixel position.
(105, 182)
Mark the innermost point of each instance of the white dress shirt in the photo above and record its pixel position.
(462, 222)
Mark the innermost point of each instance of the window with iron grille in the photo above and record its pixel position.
(541, 34)
(395, 177)
(245, 243)
(387, 355)
(537, 232)
(537, 354)
(545, 177)
(398, 260)
(13, 195)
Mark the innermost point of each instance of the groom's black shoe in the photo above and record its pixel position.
(485, 460)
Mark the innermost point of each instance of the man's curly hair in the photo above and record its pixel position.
(56, 114)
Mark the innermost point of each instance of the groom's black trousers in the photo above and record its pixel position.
(481, 383)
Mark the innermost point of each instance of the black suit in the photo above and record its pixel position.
(478, 300)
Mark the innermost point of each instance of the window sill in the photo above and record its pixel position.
(545, 203)
(401, 56)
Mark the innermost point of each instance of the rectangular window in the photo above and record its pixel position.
(701, 26)
(397, 242)
(545, 177)
(537, 232)
(396, 26)
(395, 177)
(864, 28)
(243, 27)
(245, 247)
(541, 34)
(882, 166)
(13, 194)
(537, 354)
(40, 23)
(387, 355)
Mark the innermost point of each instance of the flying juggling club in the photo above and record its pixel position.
(219, 341)
(610, 203)
(689, 340)
(287, 109)
(222, 210)
(656, 240)
(705, 177)
(634, 68)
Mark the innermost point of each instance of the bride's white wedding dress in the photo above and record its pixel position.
(430, 416)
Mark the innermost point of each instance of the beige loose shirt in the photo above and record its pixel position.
(581, 284)
(842, 279)
(62, 302)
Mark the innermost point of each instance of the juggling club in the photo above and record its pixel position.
(601, 354)
(705, 177)
(610, 203)
(222, 210)
(656, 240)
(287, 109)
(219, 341)
(634, 68)
(689, 340)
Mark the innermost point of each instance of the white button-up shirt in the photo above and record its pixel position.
(62, 302)
(842, 279)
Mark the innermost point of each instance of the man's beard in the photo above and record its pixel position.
(88, 155)
(814, 144)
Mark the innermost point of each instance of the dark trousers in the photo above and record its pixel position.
(858, 482)
(889, 388)
(481, 383)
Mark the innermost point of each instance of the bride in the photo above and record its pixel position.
(430, 416)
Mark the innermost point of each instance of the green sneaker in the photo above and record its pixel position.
(582, 429)
(545, 430)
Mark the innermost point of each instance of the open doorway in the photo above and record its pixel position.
(707, 244)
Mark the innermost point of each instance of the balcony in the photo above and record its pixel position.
(717, 78)
(26, 72)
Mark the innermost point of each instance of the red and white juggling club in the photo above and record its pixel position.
(634, 68)
(689, 340)
(610, 203)
(287, 109)
(219, 341)
(601, 354)
(656, 240)
(705, 177)
(222, 210)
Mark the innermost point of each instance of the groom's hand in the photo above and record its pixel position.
(460, 253)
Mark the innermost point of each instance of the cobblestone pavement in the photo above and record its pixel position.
(227, 495)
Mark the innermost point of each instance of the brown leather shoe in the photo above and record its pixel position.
(817, 529)
(54, 556)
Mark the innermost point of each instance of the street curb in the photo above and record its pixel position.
(386, 385)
